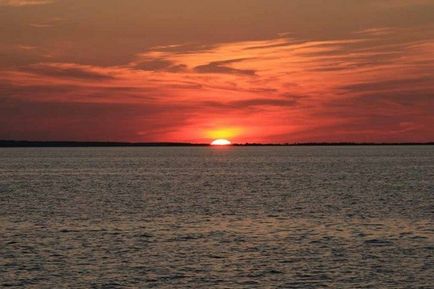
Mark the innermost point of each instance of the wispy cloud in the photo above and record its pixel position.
(70, 70)
(19, 3)
(158, 65)
(223, 67)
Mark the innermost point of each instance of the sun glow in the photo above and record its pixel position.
(223, 133)
(221, 142)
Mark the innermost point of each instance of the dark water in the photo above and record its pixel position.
(264, 217)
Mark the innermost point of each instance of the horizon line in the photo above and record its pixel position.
(50, 143)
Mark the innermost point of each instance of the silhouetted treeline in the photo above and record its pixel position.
(15, 143)
(333, 144)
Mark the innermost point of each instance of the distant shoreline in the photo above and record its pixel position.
(19, 143)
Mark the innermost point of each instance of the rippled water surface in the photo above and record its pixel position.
(234, 217)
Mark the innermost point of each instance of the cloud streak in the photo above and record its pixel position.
(69, 70)
(20, 3)
(222, 67)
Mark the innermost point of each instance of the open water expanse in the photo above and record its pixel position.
(207, 217)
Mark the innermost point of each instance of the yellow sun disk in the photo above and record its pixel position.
(221, 142)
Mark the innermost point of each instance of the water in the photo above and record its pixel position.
(235, 217)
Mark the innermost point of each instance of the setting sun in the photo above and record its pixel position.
(221, 142)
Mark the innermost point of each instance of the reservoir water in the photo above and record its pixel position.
(207, 217)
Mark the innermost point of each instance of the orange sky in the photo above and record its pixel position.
(196, 70)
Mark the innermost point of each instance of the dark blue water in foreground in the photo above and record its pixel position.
(235, 217)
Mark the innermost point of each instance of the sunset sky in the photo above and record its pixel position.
(197, 70)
